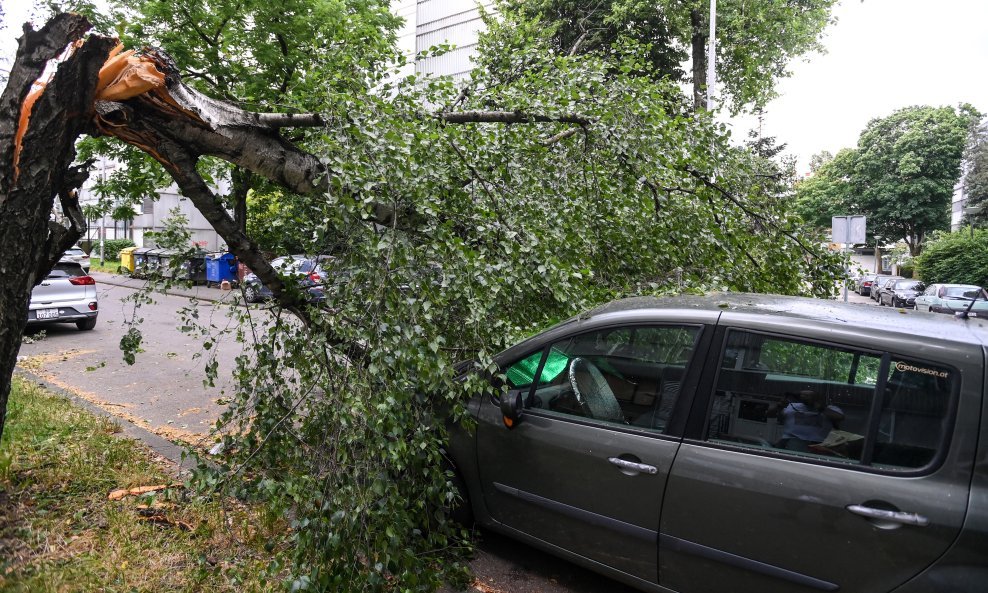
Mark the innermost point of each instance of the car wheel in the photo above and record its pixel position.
(460, 510)
(86, 324)
(250, 293)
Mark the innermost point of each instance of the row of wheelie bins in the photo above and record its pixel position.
(199, 268)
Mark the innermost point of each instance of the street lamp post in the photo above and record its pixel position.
(712, 56)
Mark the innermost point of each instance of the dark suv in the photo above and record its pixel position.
(742, 443)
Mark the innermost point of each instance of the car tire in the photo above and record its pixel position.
(461, 511)
(250, 293)
(86, 324)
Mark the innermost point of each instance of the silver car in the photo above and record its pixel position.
(77, 255)
(66, 295)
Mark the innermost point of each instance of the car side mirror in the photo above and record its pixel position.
(512, 405)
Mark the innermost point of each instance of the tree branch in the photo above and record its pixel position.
(751, 213)
(290, 120)
(508, 117)
(561, 136)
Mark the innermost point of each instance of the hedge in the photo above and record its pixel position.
(956, 258)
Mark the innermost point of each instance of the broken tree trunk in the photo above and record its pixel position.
(38, 169)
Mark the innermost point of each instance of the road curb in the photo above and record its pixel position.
(159, 445)
(212, 295)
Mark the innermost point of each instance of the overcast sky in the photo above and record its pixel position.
(881, 55)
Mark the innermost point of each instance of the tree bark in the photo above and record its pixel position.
(42, 171)
(698, 49)
(240, 186)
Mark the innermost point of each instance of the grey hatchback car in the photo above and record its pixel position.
(743, 443)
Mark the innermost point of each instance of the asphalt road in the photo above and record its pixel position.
(164, 393)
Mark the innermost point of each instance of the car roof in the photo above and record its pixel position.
(915, 323)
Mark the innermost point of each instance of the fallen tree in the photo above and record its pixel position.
(543, 185)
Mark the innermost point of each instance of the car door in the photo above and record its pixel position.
(924, 300)
(866, 509)
(584, 470)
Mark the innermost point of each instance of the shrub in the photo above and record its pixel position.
(960, 258)
(112, 247)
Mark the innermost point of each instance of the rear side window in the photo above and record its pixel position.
(64, 269)
(825, 402)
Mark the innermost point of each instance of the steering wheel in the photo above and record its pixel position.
(592, 391)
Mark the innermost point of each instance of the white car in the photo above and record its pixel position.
(77, 255)
(66, 295)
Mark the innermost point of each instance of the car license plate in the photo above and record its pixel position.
(46, 314)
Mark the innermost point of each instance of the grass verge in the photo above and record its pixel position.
(110, 266)
(59, 532)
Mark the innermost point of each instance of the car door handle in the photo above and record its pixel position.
(633, 465)
(887, 515)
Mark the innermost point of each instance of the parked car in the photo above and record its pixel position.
(863, 286)
(650, 440)
(902, 293)
(953, 298)
(879, 286)
(66, 295)
(308, 271)
(77, 255)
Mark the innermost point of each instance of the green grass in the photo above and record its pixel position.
(110, 266)
(60, 533)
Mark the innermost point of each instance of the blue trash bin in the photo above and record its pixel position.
(221, 267)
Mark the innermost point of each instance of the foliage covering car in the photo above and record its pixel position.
(953, 298)
(654, 440)
(66, 295)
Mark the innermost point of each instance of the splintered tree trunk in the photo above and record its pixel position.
(35, 169)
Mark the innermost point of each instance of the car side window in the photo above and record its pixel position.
(816, 400)
(627, 375)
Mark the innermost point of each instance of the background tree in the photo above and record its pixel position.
(960, 258)
(756, 40)
(905, 169)
(976, 175)
(827, 192)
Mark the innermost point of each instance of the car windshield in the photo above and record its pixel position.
(965, 292)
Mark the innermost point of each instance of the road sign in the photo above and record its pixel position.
(848, 229)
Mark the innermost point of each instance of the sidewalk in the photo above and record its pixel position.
(202, 293)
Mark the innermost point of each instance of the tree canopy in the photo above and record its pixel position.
(460, 219)
(756, 40)
(901, 175)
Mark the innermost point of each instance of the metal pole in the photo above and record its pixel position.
(847, 271)
(712, 56)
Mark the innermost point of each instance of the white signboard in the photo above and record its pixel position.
(848, 229)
